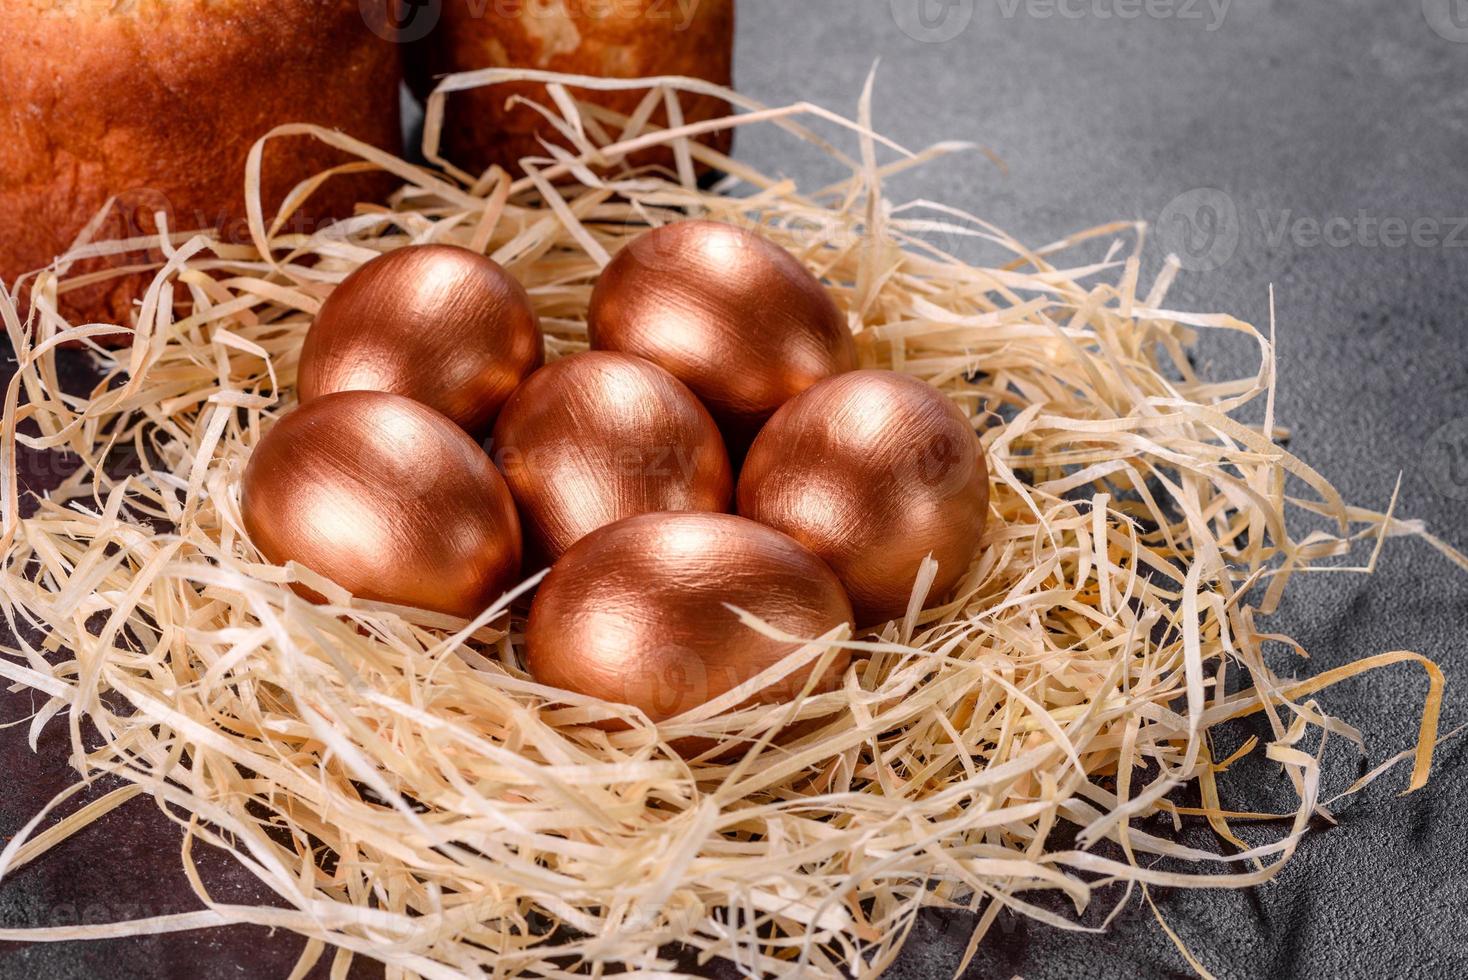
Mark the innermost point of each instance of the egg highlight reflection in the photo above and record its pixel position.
(436, 323)
(872, 471)
(728, 312)
(634, 613)
(386, 497)
(599, 436)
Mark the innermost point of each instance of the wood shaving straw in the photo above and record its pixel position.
(409, 794)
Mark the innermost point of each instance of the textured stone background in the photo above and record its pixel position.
(1266, 116)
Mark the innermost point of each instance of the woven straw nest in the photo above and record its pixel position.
(411, 795)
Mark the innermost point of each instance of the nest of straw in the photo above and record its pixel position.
(411, 795)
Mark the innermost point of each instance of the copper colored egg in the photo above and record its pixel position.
(387, 498)
(635, 612)
(599, 436)
(440, 324)
(730, 313)
(872, 471)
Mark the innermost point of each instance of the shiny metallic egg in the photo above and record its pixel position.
(439, 324)
(599, 436)
(731, 314)
(872, 471)
(386, 497)
(635, 612)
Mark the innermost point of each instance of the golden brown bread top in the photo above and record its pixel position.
(122, 8)
(159, 101)
(612, 38)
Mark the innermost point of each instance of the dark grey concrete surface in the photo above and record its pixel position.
(1243, 129)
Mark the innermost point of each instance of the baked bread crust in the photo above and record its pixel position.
(611, 38)
(157, 103)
